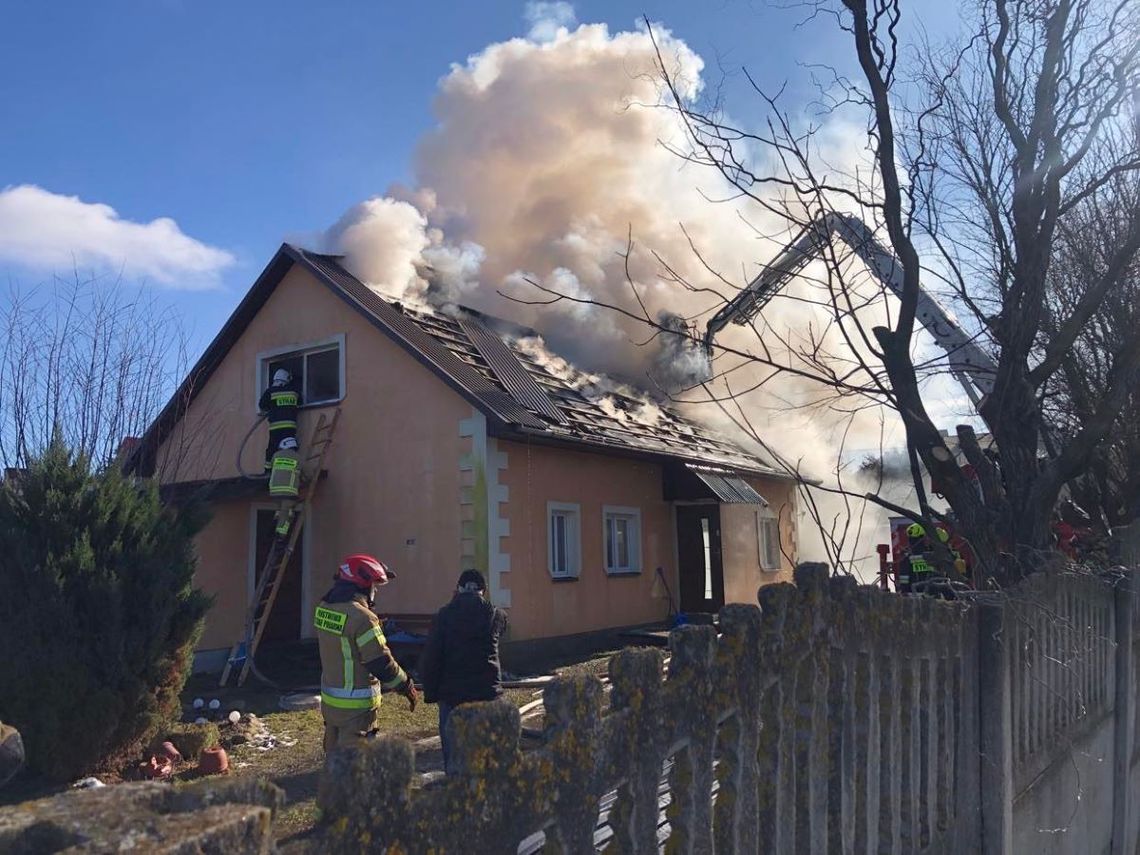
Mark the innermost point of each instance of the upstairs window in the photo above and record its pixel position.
(622, 537)
(564, 540)
(768, 540)
(317, 369)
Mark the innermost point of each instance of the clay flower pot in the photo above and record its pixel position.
(213, 761)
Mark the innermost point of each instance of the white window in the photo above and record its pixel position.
(768, 540)
(563, 536)
(317, 368)
(622, 538)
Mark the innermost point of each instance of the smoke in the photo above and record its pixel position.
(546, 187)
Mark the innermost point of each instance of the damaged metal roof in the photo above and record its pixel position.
(497, 366)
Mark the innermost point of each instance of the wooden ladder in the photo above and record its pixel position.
(280, 552)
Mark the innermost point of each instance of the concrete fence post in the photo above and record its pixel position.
(1124, 712)
(995, 730)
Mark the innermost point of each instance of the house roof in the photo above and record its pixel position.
(499, 367)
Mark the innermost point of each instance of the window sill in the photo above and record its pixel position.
(623, 573)
(316, 405)
(564, 578)
(771, 569)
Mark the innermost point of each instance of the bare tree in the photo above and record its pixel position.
(89, 358)
(981, 161)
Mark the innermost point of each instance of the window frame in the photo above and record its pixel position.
(572, 511)
(336, 342)
(765, 518)
(636, 553)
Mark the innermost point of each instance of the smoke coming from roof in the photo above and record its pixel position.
(548, 173)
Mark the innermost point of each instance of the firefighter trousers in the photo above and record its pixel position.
(347, 730)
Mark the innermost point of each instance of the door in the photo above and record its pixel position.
(285, 617)
(698, 552)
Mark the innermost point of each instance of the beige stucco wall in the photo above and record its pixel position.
(394, 468)
(740, 549)
(223, 559)
(542, 607)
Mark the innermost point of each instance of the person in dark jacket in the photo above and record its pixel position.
(460, 662)
(279, 403)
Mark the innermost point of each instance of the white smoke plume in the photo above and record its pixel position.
(548, 158)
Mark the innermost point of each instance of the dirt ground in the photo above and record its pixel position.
(295, 760)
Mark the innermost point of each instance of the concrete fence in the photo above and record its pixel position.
(832, 719)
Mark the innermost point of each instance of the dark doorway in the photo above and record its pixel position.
(698, 552)
(285, 618)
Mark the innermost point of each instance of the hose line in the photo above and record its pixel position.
(241, 448)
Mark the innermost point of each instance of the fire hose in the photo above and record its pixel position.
(241, 449)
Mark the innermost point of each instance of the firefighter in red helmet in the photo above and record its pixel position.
(356, 664)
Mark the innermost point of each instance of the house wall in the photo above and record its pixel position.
(542, 606)
(740, 547)
(394, 469)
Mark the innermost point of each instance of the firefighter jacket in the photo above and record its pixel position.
(285, 474)
(355, 660)
(280, 403)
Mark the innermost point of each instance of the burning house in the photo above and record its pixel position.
(462, 442)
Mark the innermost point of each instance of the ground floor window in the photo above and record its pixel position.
(622, 537)
(768, 539)
(563, 536)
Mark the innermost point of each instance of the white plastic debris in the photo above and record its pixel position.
(88, 784)
(199, 703)
(200, 720)
(234, 716)
(215, 704)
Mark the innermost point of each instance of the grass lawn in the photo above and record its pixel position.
(296, 769)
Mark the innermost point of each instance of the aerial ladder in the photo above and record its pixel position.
(970, 365)
(295, 511)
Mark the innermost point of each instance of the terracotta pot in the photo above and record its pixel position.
(170, 752)
(214, 761)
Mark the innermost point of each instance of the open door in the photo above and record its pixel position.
(285, 618)
(698, 551)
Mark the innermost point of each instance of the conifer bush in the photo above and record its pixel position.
(98, 614)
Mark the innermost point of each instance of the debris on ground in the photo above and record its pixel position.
(251, 731)
(88, 784)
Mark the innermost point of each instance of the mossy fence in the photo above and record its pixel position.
(832, 718)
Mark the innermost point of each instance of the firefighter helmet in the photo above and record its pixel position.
(281, 377)
(364, 571)
(915, 531)
(943, 534)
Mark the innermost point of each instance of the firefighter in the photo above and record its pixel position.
(356, 663)
(914, 567)
(279, 403)
(285, 482)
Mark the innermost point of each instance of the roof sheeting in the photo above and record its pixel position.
(728, 488)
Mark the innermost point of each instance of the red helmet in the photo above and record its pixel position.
(365, 571)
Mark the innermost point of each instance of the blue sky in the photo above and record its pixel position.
(248, 122)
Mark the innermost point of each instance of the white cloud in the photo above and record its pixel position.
(547, 18)
(42, 230)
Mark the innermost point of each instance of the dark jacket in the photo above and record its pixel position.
(280, 404)
(460, 662)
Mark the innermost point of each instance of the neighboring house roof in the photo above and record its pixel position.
(495, 365)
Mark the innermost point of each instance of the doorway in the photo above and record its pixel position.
(284, 622)
(700, 568)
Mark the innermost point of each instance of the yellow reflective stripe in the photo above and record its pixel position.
(368, 635)
(288, 423)
(391, 684)
(346, 652)
(284, 462)
(284, 399)
(350, 703)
